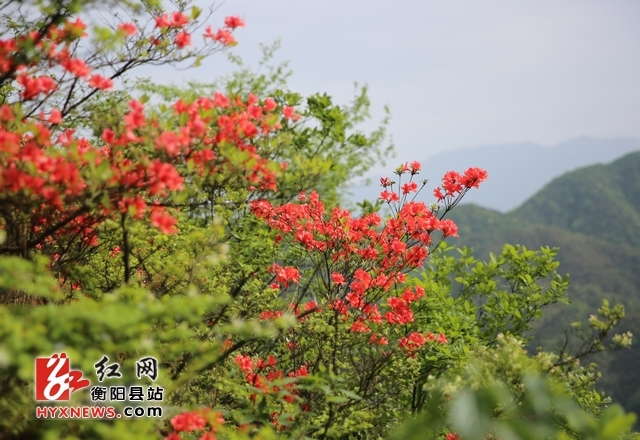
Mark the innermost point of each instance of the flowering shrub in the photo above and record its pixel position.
(67, 185)
(205, 229)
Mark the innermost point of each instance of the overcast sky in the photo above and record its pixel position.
(458, 74)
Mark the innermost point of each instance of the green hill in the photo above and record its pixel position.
(593, 216)
(602, 201)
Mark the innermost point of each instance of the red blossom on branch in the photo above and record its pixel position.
(233, 22)
(99, 82)
(183, 39)
(76, 67)
(164, 222)
(285, 275)
(223, 36)
(128, 28)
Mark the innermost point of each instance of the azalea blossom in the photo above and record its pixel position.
(233, 22)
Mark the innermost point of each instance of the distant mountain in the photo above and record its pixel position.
(593, 216)
(516, 171)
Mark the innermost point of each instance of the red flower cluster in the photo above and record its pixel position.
(264, 376)
(34, 86)
(307, 307)
(54, 51)
(177, 21)
(189, 421)
(454, 184)
(224, 36)
(379, 340)
(233, 22)
(29, 165)
(62, 186)
(196, 421)
(128, 28)
(379, 253)
(415, 341)
(174, 20)
(183, 39)
(284, 275)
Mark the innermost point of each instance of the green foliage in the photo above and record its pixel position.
(505, 291)
(475, 302)
(503, 394)
(597, 247)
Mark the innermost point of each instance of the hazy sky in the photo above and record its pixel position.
(458, 74)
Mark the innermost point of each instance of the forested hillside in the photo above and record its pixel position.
(593, 216)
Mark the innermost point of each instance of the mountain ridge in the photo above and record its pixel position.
(604, 188)
(516, 171)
